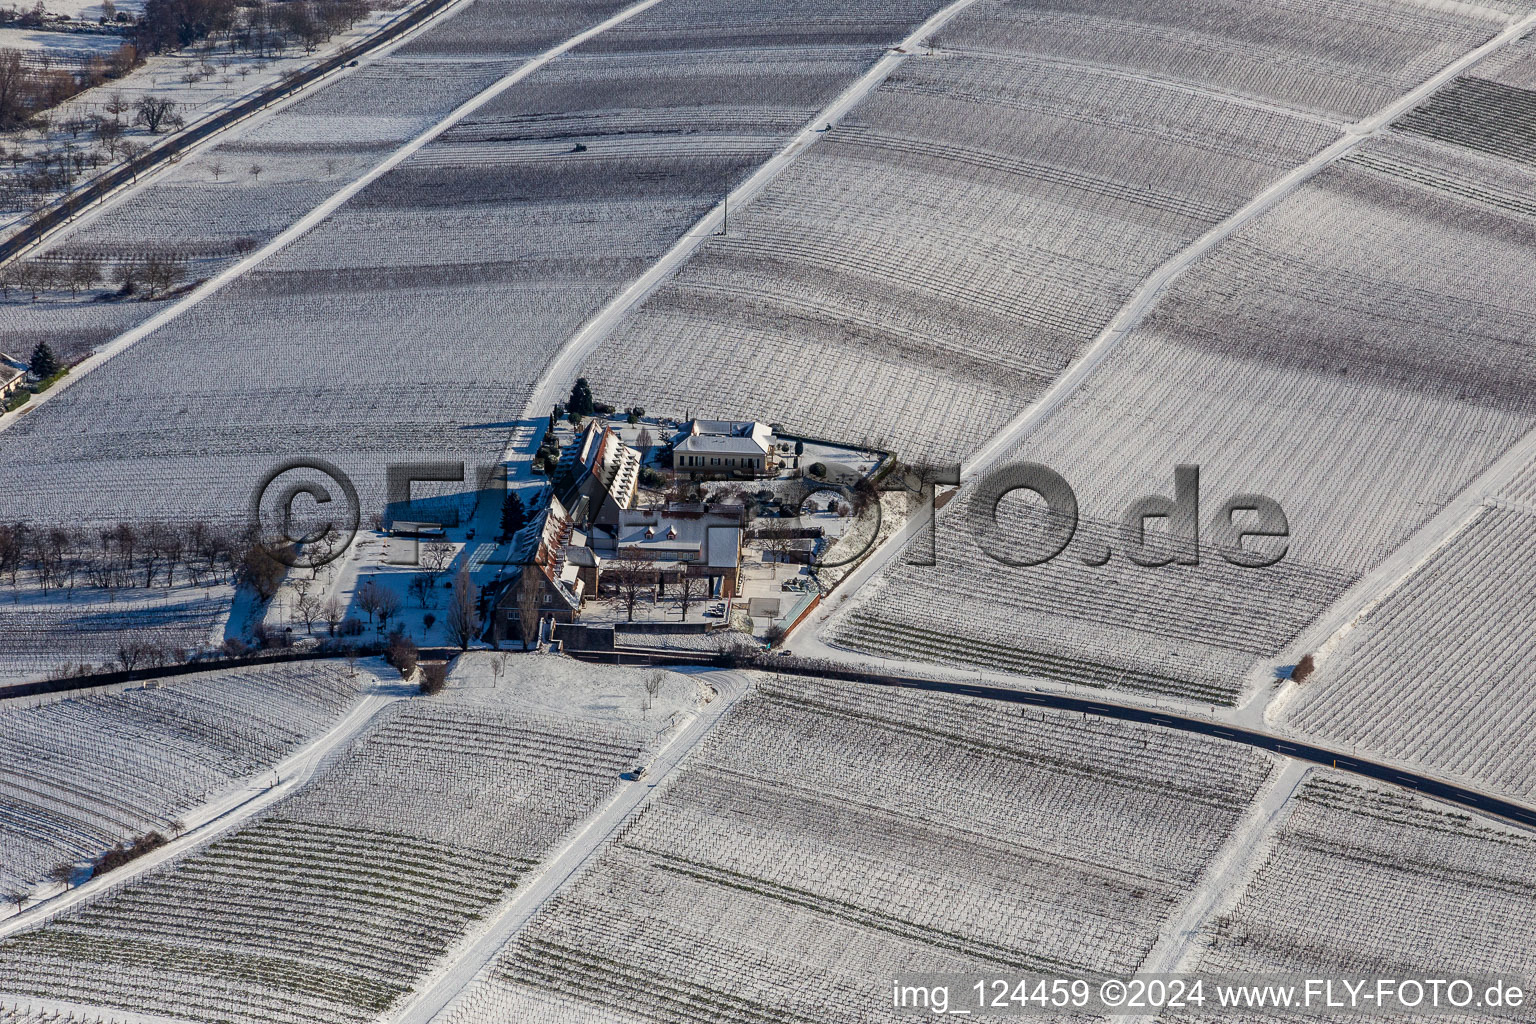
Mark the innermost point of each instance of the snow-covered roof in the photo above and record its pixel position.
(724, 547)
(713, 539)
(725, 437)
(716, 444)
(600, 467)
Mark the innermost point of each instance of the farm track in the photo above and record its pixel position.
(320, 213)
(465, 964)
(579, 347)
(1392, 574)
(126, 178)
(220, 816)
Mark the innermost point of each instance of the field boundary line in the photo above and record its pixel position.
(1235, 862)
(1323, 634)
(320, 213)
(103, 190)
(459, 968)
(596, 330)
(225, 813)
(1151, 288)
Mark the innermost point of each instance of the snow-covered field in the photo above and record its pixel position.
(933, 264)
(44, 632)
(1365, 881)
(330, 906)
(80, 775)
(1440, 675)
(215, 207)
(68, 49)
(198, 83)
(411, 323)
(826, 835)
(1421, 256)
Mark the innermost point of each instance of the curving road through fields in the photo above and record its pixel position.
(1483, 803)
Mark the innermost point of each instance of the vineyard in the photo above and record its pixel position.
(1489, 110)
(1420, 257)
(329, 908)
(1439, 675)
(409, 325)
(81, 775)
(225, 201)
(903, 832)
(42, 633)
(1523, 487)
(948, 248)
(1370, 882)
(1343, 61)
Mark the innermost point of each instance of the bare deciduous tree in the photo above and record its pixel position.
(307, 608)
(156, 112)
(463, 612)
(64, 874)
(436, 556)
(139, 654)
(388, 605)
(333, 611)
(367, 598)
(530, 598)
(162, 273)
(690, 591)
(633, 577)
(653, 684)
(117, 105)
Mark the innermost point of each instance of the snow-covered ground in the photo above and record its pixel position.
(199, 85)
(81, 774)
(902, 832)
(67, 48)
(90, 10)
(336, 899)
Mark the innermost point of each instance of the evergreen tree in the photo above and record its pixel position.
(513, 517)
(44, 363)
(581, 398)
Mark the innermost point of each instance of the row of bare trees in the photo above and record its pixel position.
(634, 578)
(152, 276)
(133, 555)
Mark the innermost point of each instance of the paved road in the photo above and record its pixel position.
(1441, 790)
(432, 997)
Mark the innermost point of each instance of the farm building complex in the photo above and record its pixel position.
(766, 511)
